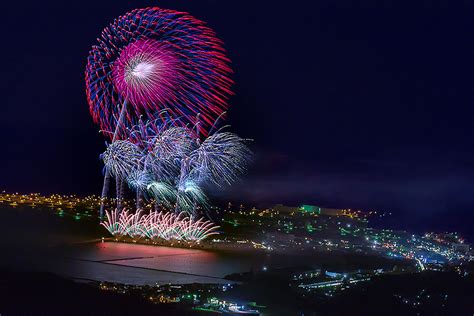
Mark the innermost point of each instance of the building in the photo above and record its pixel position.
(310, 209)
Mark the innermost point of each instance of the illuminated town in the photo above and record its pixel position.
(300, 231)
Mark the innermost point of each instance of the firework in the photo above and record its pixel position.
(156, 59)
(139, 179)
(163, 147)
(135, 224)
(158, 225)
(173, 165)
(189, 196)
(220, 159)
(121, 158)
(173, 143)
(162, 143)
(114, 222)
(140, 133)
(168, 149)
(163, 192)
(198, 230)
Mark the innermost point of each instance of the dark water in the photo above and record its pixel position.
(39, 239)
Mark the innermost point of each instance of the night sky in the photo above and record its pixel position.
(364, 104)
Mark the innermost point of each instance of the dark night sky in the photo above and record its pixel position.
(350, 105)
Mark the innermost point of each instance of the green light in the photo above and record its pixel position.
(310, 209)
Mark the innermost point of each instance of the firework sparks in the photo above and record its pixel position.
(173, 143)
(220, 159)
(162, 192)
(121, 158)
(139, 179)
(173, 165)
(157, 59)
(158, 225)
(189, 196)
(114, 222)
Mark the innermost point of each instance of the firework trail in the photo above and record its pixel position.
(107, 175)
(157, 59)
(119, 183)
(121, 159)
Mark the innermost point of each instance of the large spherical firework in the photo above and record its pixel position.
(157, 59)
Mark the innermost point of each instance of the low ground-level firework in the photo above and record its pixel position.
(157, 225)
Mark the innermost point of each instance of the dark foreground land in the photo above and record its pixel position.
(424, 293)
(430, 293)
(34, 293)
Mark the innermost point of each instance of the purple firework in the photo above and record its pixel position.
(153, 59)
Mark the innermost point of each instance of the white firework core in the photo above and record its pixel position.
(143, 71)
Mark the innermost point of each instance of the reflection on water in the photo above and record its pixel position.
(143, 264)
(38, 240)
(192, 261)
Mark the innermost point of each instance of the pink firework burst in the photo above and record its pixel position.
(146, 73)
(157, 59)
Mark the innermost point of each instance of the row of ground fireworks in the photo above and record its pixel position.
(157, 85)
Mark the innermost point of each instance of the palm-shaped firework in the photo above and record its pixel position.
(121, 158)
(218, 160)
